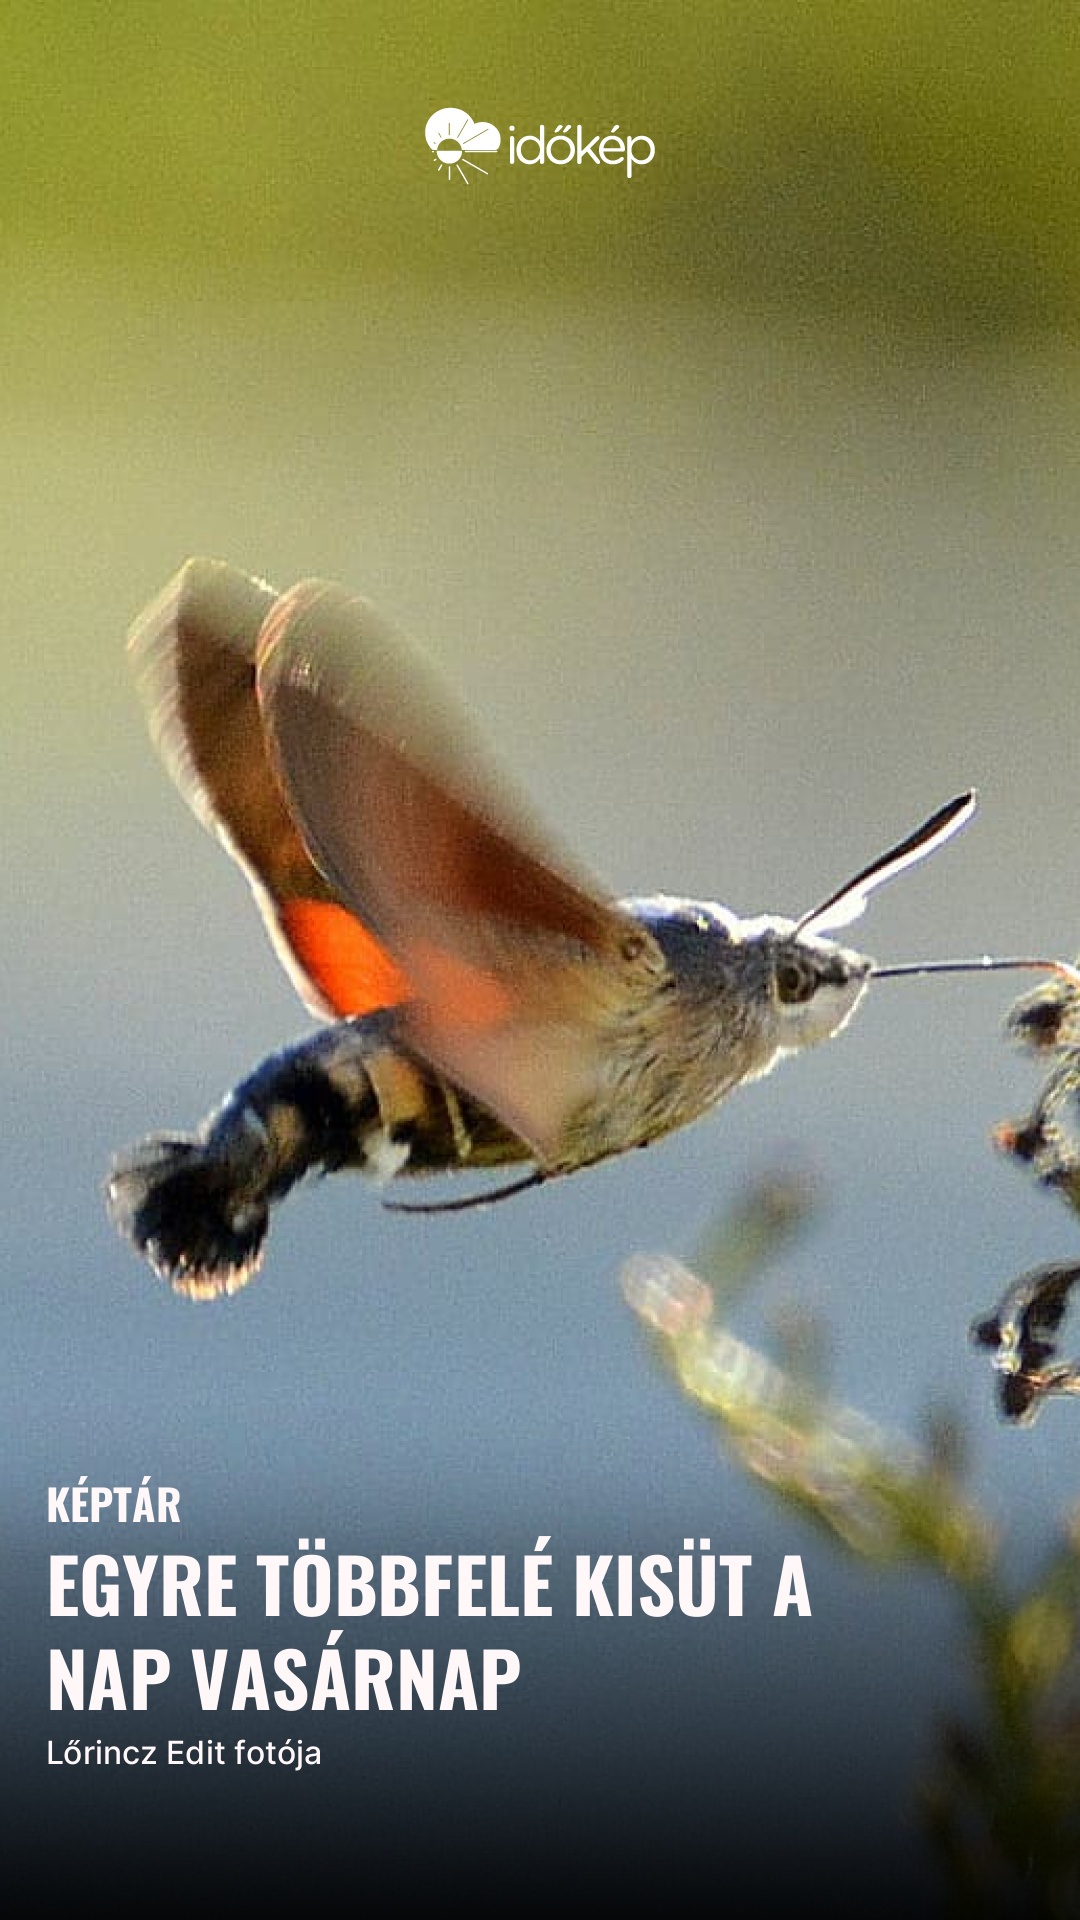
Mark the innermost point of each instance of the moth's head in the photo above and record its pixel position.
(812, 984)
(815, 984)
(763, 985)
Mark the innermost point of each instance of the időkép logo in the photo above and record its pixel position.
(454, 137)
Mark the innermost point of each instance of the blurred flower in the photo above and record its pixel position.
(1000, 1802)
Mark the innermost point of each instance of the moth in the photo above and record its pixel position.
(488, 1004)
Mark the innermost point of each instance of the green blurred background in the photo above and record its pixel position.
(740, 498)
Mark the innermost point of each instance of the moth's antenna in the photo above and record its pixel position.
(850, 901)
(536, 1179)
(844, 906)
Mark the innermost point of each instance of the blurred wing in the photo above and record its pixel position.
(194, 650)
(519, 971)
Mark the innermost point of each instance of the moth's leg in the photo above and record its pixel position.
(198, 1205)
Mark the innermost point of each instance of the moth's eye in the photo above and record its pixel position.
(795, 982)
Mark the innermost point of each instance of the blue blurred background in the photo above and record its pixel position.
(739, 500)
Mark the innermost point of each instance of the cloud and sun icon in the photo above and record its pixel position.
(453, 135)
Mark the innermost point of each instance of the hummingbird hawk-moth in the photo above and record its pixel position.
(489, 1005)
